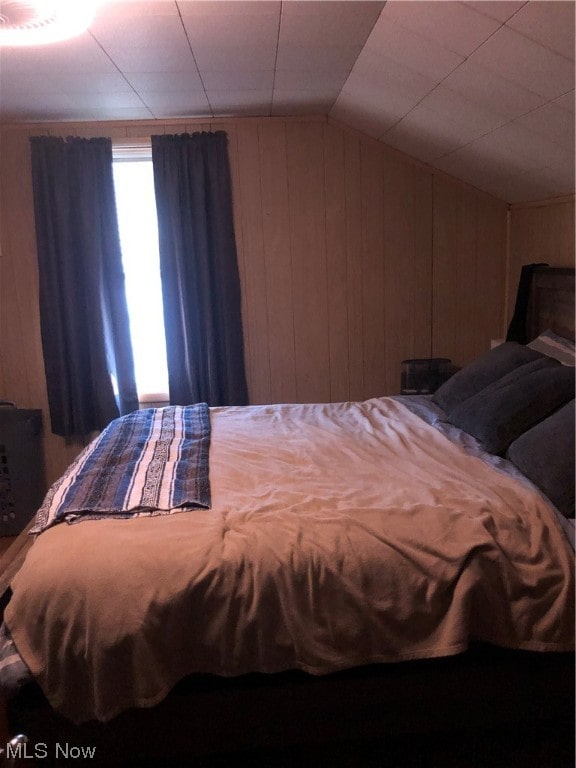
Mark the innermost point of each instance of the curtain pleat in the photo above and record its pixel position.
(199, 269)
(83, 311)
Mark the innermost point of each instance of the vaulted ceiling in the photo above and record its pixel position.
(482, 90)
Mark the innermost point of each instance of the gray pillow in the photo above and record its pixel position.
(545, 454)
(506, 409)
(482, 372)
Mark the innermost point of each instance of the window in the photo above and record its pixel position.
(137, 222)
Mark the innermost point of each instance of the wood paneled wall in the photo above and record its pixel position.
(468, 271)
(352, 257)
(539, 232)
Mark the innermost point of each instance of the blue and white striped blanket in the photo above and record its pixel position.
(150, 462)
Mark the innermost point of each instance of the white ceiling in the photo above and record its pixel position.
(482, 90)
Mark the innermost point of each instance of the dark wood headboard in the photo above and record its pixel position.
(551, 304)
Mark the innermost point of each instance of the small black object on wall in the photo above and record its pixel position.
(22, 484)
(423, 376)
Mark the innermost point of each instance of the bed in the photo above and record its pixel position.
(401, 564)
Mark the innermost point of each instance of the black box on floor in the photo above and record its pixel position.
(423, 376)
(22, 484)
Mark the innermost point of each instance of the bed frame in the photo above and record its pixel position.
(551, 302)
(483, 688)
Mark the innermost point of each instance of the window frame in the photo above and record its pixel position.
(126, 151)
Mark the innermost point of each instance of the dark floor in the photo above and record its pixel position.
(538, 744)
(525, 747)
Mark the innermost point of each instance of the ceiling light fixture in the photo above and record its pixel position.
(38, 22)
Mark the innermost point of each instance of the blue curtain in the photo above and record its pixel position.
(83, 312)
(199, 269)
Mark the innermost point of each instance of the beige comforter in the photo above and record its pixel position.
(339, 535)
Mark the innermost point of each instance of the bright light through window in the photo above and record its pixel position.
(136, 206)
